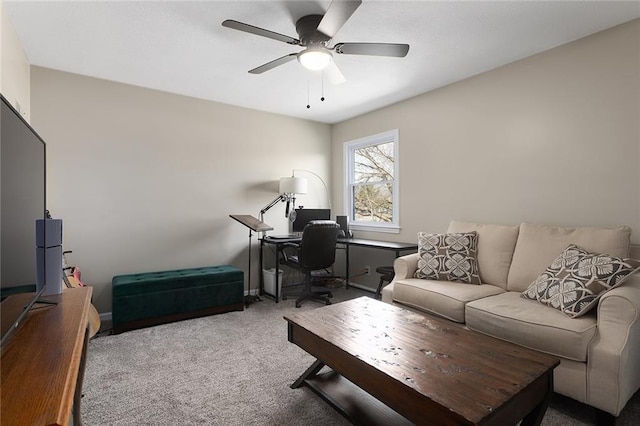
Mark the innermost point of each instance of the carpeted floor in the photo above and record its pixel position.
(229, 369)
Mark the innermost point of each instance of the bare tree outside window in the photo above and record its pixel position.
(373, 183)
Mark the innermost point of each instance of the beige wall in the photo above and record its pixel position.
(553, 138)
(145, 180)
(14, 67)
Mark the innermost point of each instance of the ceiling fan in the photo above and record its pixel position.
(315, 32)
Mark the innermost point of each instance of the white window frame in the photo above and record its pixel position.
(349, 149)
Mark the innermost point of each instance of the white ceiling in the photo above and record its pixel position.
(181, 47)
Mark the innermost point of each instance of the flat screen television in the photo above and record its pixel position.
(22, 202)
(304, 216)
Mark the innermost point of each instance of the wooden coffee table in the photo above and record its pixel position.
(389, 365)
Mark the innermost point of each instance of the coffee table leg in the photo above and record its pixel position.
(534, 418)
(311, 371)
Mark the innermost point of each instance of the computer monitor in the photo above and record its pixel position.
(304, 216)
(344, 225)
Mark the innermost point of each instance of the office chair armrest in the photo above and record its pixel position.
(290, 244)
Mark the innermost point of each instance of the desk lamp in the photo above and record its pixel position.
(289, 187)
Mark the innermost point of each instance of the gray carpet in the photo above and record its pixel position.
(229, 369)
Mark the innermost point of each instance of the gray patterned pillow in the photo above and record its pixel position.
(448, 257)
(576, 279)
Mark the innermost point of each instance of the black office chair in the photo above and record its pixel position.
(315, 251)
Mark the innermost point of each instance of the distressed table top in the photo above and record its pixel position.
(444, 365)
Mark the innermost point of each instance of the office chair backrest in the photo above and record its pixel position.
(318, 245)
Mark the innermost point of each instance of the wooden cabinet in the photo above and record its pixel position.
(42, 366)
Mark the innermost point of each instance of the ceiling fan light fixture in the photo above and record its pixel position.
(314, 58)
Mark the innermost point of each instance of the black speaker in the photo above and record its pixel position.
(342, 221)
(49, 255)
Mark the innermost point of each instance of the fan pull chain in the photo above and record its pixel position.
(322, 94)
(308, 106)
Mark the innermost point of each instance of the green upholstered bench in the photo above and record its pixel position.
(152, 298)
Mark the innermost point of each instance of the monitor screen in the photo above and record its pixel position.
(304, 216)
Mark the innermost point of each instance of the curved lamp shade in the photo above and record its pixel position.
(293, 185)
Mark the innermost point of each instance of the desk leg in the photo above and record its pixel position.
(261, 280)
(77, 396)
(346, 275)
(278, 273)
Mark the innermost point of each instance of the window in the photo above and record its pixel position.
(371, 182)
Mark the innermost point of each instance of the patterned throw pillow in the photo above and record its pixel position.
(576, 279)
(448, 257)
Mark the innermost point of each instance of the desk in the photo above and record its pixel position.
(43, 363)
(397, 247)
(394, 246)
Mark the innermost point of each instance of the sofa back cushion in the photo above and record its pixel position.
(539, 245)
(495, 249)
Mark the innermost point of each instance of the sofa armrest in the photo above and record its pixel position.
(613, 373)
(403, 267)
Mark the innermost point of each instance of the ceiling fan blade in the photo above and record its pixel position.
(273, 64)
(333, 74)
(374, 49)
(338, 13)
(240, 26)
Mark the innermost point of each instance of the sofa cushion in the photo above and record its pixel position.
(576, 279)
(448, 257)
(539, 245)
(495, 249)
(509, 317)
(446, 299)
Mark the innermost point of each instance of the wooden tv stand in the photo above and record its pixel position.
(42, 366)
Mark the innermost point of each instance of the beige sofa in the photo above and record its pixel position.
(599, 351)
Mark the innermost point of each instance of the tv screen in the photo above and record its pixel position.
(304, 216)
(22, 202)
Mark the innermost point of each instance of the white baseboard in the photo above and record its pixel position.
(362, 287)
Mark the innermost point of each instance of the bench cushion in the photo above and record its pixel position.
(142, 283)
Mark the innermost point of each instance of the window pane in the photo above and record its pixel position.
(371, 182)
(373, 202)
(373, 163)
